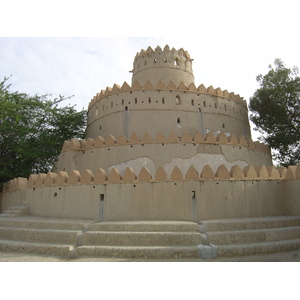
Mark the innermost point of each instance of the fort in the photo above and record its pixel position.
(167, 169)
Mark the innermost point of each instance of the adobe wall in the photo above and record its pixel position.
(159, 151)
(293, 197)
(162, 65)
(225, 194)
(124, 110)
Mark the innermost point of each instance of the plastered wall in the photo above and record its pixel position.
(163, 65)
(166, 109)
(153, 152)
(250, 192)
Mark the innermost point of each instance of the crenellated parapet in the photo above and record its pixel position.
(171, 86)
(149, 52)
(162, 65)
(101, 177)
(186, 138)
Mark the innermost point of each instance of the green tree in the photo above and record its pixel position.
(275, 110)
(32, 131)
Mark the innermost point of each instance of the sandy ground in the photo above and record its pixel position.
(290, 256)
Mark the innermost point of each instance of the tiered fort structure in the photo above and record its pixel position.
(162, 149)
(173, 121)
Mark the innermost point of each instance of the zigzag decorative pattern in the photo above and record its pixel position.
(149, 50)
(171, 86)
(110, 140)
(87, 177)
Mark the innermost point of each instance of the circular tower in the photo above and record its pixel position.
(164, 120)
(164, 99)
(163, 65)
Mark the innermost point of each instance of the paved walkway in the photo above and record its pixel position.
(291, 256)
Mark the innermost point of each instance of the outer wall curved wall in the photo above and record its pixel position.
(161, 200)
(166, 111)
(165, 155)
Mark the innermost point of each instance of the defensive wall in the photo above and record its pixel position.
(166, 108)
(193, 196)
(153, 152)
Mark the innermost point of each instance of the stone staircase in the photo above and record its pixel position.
(250, 236)
(41, 235)
(149, 239)
(15, 211)
(79, 238)
(141, 239)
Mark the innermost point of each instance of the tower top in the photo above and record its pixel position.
(165, 65)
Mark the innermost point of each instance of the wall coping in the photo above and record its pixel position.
(186, 138)
(116, 89)
(100, 177)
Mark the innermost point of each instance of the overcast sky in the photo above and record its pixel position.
(229, 47)
(230, 41)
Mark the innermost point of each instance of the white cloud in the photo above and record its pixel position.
(84, 66)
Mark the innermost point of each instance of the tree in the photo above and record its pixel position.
(275, 108)
(32, 132)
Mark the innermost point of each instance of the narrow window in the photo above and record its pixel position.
(149, 99)
(96, 110)
(165, 60)
(126, 107)
(225, 107)
(145, 62)
(135, 100)
(111, 105)
(192, 102)
(204, 103)
(101, 208)
(163, 100)
(178, 121)
(223, 126)
(100, 127)
(178, 100)
(177, 62)
(122, 101)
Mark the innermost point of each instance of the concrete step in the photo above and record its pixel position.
(45, 223)
(14, 211)
(39, 235)
(254, 236)
(7, 215)
(138, 252)
(38, 248)
(120, 238)
(258, 248)
(251, 223)
(146, 226)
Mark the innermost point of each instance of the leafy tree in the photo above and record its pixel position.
(275, 108)
(32, 132)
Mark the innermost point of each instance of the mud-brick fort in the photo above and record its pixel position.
(168, 170)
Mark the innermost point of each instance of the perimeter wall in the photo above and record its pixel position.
(252, 192)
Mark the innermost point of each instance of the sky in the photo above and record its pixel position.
(83, 66)
(81, 47)
(80, 50)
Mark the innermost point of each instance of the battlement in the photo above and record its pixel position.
(160, 86)
(101, 177)
(186, 138)
(162, 65)
(159, 51)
